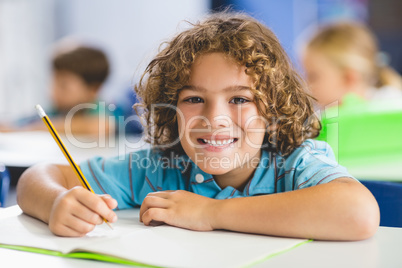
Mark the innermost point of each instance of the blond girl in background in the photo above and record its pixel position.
(344, 58)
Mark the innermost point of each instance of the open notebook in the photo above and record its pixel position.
(133, 243)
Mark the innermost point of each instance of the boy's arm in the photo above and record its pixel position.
(52, 193)
(339, 210)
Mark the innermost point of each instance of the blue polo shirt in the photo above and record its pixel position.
(129, 178)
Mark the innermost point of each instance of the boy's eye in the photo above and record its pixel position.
(239, 100)
(194, 100)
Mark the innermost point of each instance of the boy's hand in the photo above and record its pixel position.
(178, 208)
(77, 211)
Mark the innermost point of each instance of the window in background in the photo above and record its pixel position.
(25, 35)
(386, 21)
(291, 20)
(130, 32)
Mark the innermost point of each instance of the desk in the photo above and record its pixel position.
(382, 250)
(23, 149)
(20, 150)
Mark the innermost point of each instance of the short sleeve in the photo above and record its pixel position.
(314, 163)
(110, 176)
(129, 178)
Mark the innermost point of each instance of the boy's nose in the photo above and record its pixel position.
(217, 121)
(217, 116)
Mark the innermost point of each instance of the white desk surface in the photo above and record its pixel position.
(23, 149)
(382, 250)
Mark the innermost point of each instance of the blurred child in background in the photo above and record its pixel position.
(78, 73)
(343, 58)
(359, 95)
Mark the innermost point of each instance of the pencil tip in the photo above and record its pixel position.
(108, 223)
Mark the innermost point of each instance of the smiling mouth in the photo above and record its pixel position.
(217, 143)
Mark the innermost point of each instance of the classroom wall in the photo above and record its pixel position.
(129, 30)
(293, 20)
(26, 31)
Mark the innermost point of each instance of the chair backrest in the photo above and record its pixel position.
(4, 184)
(389, 198)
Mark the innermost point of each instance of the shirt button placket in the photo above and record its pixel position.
(199, 178)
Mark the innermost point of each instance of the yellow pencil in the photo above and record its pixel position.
(56, 137)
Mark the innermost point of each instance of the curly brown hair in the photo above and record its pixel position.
(279, 91)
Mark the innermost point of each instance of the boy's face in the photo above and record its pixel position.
(326, 80)
(219, 123)
(69, 90)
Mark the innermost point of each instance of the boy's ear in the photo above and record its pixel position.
(94, 88)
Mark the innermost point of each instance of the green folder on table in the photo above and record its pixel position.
(364, 132)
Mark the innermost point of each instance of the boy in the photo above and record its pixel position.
(78, 72)
(231, 125)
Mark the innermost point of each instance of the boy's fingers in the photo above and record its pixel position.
(110, 202)
(85, 214)
(71, 232)
(79, 226)
(153, 202)
(71, 226)
(97, 205)
(163, 194)
(156, 223)
(65, 231)
(154, 215)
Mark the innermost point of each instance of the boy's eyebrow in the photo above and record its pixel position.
(230, 88)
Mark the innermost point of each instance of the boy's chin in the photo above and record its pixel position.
(215, 169)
